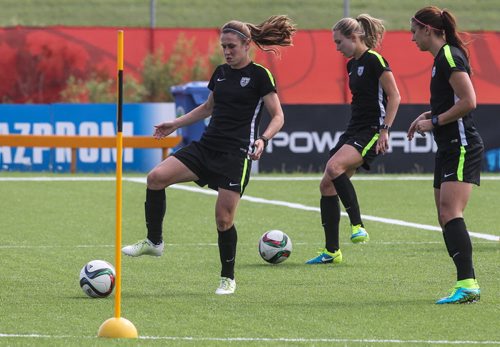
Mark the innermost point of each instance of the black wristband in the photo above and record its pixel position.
(264, 139)
(435, 120)
(384, 126)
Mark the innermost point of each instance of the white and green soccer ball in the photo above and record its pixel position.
(97, 278)
(275, 246)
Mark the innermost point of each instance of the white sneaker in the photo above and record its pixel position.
(144, 247)
(227, 286)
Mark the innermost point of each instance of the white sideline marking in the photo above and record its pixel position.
(56, 179)
(208, 244)
(360, 178)
(264, 201)
(265, 339)
(253, 178)
(316, 209)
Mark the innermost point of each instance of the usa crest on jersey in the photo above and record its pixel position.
(244, 81)
(360, 70)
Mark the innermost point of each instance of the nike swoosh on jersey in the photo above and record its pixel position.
(220, 79)
(448, 175)
(231, 184)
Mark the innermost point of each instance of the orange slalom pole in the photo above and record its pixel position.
(119, 155)
(118, 327)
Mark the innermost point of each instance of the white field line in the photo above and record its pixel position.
(253, 178)
(264, 339)
(360, 178)
(269, 202)
(208, 244)
(316, 209)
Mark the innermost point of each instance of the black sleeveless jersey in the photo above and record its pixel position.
(463, 131)
(238, 101)
(368, 98)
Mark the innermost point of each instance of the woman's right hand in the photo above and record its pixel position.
(164, 129)
(413, 126)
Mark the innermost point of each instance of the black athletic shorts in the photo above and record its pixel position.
(217, 169)
(364, 140)
(462, 164)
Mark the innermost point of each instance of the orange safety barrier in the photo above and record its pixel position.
(74, 142)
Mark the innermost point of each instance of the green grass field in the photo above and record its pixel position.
(310, 14)
(382, 294)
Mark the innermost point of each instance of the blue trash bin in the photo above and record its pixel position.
(187, 97)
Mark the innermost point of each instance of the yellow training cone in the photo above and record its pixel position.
(117, 328)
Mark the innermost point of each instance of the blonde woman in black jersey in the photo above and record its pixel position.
(460, 147)
(375, 100)
(222, 157)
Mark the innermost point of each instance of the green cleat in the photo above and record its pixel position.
(465, 292)
(359, 234)
(325, 257)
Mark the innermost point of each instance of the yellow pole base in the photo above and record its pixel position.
(117, 328)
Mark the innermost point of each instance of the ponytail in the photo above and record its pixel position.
(275, 31)
(452, 36)
(443, 23)
(370, 30)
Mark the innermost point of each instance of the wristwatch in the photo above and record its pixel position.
(435, 120)
(384, 126)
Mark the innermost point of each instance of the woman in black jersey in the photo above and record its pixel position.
(375, 100)
(222, 157)
(460, 148)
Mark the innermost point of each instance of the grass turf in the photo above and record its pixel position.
(383, 291)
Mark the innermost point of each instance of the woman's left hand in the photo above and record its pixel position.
(258, 150)
(382, 142)
(423, 126)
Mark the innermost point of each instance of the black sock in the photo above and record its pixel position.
(227, 251)
(459, 247)
(330, 219)
(347, 195)
(154, 208)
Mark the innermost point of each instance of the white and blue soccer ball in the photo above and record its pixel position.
(275, 246)
(97, 278)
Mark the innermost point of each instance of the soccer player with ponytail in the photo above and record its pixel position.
(375, 101)
(222, 158)
(460, 147)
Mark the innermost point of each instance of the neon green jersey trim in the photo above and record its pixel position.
(461, 160)
(382, 62)
(449, 57)
(370, 144)
(269, 74)
(243, 177)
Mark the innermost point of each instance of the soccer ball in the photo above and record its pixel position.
(97, 278)
(275, 246)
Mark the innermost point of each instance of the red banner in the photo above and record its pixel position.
(36, 62)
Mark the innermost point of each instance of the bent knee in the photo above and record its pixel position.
(326, 187)
(224, 224)
(334, 170)
(446, 214)
(155, 180)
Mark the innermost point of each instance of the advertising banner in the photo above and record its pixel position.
(83, 120)
(310, 131)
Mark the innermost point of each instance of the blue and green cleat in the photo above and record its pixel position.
(325, 257)
(359, 234)
(465, 292)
